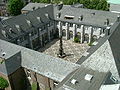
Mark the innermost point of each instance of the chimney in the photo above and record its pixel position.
(118, 18)
(107, 31)
(107, 21)
(80, 18)
(33, 8)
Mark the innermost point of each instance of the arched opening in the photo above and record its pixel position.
(63, 32)
(94, 38)
(79, 35)
(86, 38)
(71, 34)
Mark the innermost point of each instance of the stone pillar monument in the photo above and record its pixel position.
(61, 53)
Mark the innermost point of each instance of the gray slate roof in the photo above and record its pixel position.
(88, 18)
(82, 83)
(53, 68)
(115, 8)
(30, 6)
(31, 16)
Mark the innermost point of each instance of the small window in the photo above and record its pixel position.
(113, 79)
(47, 15)
(10, 30)
(28, 22)
(64, 24)
(71, 25)
(55, 84)
(4, 33)
(38, 18)
(69, 17)
(18, 27)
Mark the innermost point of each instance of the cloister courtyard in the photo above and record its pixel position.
(73, 51)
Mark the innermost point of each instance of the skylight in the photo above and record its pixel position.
(73, 81)
(88, 77)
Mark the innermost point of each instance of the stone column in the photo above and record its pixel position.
(67, 31)
(90, 34)
(74, 31)
(41, 40)
(100, 30)
(49, 38)
(30, 41)
(60, 29)
(82, 33)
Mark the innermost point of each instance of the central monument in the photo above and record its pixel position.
(61, 53)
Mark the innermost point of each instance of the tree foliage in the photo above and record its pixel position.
(90, 4)
(15, 6)
(42, 1)
(3, 83)
(95, 4)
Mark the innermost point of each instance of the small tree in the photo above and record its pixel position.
(3, 83)
(15, 6)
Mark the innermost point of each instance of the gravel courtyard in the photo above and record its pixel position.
(73, 51)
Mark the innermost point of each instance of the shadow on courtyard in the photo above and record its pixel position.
(48, 45)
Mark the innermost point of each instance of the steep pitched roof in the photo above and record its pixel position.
(82, 83)
(105, 55)
(90, 17)
(51, 67)
(21, 20)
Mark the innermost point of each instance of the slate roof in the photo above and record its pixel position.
(115, 8)
(30, 6)
(32, 17)
(103, 57)
(97, 19)
(82, 83)
(51, 67)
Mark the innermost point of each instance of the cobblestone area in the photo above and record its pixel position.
(73, 51)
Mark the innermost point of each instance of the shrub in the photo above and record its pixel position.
(77, 40)
(34, 86)
(3, 83)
